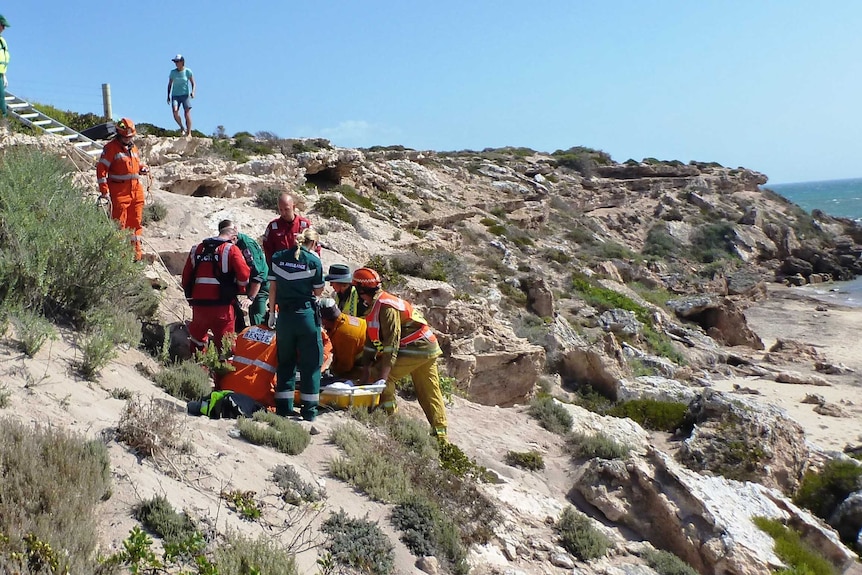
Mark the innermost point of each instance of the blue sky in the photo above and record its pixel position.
(771, 85)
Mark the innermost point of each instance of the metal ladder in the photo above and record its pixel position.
(30, 116)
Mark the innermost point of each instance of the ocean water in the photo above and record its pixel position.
(841, 198)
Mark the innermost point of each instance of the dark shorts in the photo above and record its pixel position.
(184, 101)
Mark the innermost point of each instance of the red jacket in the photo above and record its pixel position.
(218, 276)
(118, 169)
(281, 235)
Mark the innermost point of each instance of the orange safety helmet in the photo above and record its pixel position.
(367, 278)
(126, 128)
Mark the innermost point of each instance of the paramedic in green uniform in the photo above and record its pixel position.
(296, 279)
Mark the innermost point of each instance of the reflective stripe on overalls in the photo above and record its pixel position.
(407, 314)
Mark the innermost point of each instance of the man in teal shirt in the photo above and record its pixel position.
(296, 280)
(4, 62)
(179, 93)
(258, 288)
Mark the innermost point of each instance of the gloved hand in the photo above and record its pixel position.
(272, 320)
(144, 170)
(380, 382)
(103, 200)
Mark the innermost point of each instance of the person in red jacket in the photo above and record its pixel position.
(281, 232)
(215, 272)
(118, 174)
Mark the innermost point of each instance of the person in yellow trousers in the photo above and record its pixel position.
(400, 341)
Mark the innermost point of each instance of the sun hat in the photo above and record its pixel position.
(329, 309)
(178, 58)
(3, 21)
(339, 273)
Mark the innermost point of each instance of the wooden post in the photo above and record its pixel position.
(106, 101)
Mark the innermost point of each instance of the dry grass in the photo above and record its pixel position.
(150, 427)
(52, 483)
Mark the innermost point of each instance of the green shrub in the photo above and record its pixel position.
(359, 543)
(267, 198)
(516, 295)
(604, 299)
(666, 563)
(225, 150)
(154, 212)
(240, 555)
(822, 492)
(416, 519)
(800, 557)
(52, 484)
(399, 463)
(382, 479)
(350, 193)
(159, 517)
(530, 460)
(382, 265)
(551, 415)
(97, 349)
(592, 400)
(185, 380)
(652, 413)
(75, 120)
(31, 330)
(713, 242)
(272, 430)
(40, 208)
(425, 531)
(598, 445)
(243, 503)
(106, 329)
(431, 264)
(579, 537)
(330, 207)
(455, 461)
(660, 243)
(294, 489)
(555, 255)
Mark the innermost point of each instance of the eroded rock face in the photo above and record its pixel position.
(741, 439)
(706, 521)
(719, 317)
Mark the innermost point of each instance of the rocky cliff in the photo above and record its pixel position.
(568, 274)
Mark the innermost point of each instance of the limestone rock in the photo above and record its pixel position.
(800, 378)
(540, 298)
(742, 439)
(706, 521)
(847, 518)
(720, 317)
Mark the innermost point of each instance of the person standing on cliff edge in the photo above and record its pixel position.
(179, 93)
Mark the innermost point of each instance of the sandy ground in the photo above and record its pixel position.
(833, 330)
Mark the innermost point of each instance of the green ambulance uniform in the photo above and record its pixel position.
(257, 309)
(298, 329)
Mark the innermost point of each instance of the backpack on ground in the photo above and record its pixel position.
(225, 405)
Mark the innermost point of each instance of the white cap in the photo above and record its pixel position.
(177, 58)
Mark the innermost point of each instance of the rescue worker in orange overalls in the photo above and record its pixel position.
(401, 343)
(347, 334)
(255, 363)
(215, 272)
(118, 173)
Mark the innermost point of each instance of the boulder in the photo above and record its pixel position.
(743, 439)
(705, 521)
(540, 298)
(847, 519)
(719, 317)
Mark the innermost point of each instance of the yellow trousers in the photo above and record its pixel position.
(426, 381)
